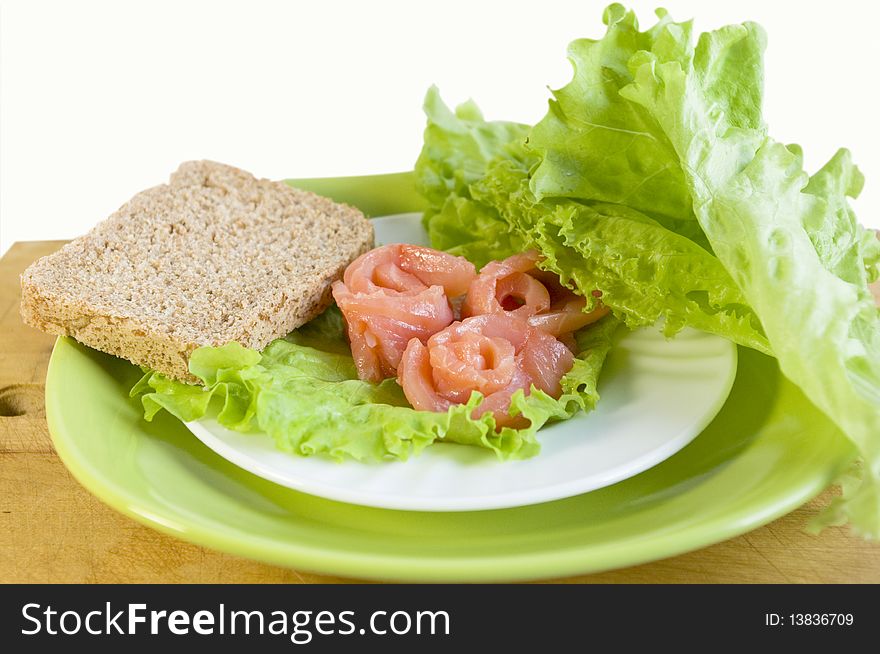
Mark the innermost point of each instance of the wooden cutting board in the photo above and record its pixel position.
(53, 530)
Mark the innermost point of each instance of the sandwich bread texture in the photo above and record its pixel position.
(213, 256)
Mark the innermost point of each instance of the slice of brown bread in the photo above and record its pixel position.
(212, 257)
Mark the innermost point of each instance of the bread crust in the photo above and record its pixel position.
(214, 256)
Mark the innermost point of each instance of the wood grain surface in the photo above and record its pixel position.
(52, 530)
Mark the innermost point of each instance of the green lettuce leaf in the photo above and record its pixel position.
(459, 145)
(644, 271)
(590, 128)
(790, 242)
(458, 148)
(304, 392)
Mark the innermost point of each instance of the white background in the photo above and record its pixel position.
(99, 100)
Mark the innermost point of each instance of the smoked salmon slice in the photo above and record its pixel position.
(493, 354)
(394, 294)
(516, 287)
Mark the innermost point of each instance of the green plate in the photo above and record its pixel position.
(767, 452)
